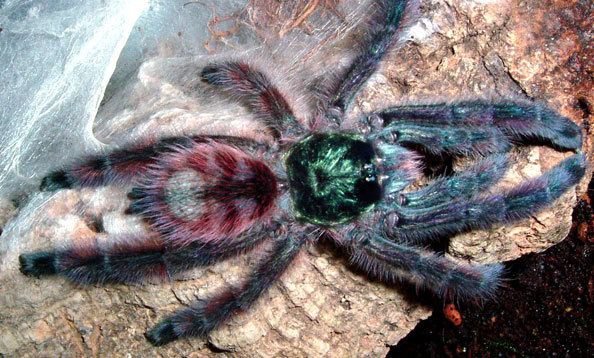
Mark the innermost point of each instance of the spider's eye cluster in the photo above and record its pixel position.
(332, 178)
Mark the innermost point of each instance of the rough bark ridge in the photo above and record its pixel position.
(529, 49)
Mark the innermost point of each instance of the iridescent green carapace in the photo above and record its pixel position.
(333, 178)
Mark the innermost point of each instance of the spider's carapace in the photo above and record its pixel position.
(332, 178)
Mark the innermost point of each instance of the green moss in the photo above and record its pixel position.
(332, 178)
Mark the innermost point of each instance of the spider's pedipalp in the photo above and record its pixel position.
(204, 316)
(482, 211)
(523, 122)
(463, 184)
(383, 35)
(257, 92)
(132, 259)
(478, 126)
(438, 138)
(393, 262)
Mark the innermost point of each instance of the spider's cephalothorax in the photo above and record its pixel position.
(333, 178)
(211, 197)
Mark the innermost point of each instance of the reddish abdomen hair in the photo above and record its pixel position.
(205, 192)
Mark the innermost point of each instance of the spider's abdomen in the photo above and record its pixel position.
(205, 192)
(333, 178)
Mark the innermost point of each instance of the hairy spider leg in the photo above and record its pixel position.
(477, 127)
(437, 138)
(205, 315)
(482, 211)
(122, 166)
(257, 92)
(464, 184)
(134, 259)
(382, 36)
(392, 262)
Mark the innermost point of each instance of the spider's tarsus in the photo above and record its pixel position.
(523, 121)
(491, 276)
(136, 193)
(55, 181)
(162, 334)
(207, 74)
(38, 264)
(135, 207)
(576, 167)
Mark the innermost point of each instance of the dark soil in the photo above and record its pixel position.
(546, 308)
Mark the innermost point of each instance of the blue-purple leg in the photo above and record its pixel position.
(383, 34)
(447, 218)
(205, 315)
(477, 126)
(132, 260)
(255, 90)
(438, 139)
(392, 263)
(464, 184)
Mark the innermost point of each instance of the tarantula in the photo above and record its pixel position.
(208, 198)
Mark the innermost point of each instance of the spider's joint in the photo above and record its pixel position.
(372, 123)
(389, 136)
(383, 178)
(390, 221)
(334, 114)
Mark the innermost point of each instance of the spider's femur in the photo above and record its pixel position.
(332, 178)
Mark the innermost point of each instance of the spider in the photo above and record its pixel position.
(208, 198)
